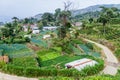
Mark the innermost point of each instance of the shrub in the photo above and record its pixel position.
(2, 64)
(76, 41)
(27, 39)
(24, 62)
(98, 78)
(65, 72)
(19, 41)
(37, 72)
(1, 42)
(15, 70)
(117, 53)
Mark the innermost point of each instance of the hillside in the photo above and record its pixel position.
(38, 16)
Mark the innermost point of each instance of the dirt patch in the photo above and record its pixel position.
(33, 47)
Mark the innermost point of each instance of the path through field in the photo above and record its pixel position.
(111, 65)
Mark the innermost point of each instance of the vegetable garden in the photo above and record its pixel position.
(47, 62)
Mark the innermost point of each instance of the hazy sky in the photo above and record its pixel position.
(26, 8)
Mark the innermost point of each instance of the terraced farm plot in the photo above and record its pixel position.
(16, 50)
(88, 51)
(39, 42)
(47, 55)
(24, 62)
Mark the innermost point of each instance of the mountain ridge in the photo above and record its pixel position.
(93, 8)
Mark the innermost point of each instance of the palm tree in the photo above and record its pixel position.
(15, 19)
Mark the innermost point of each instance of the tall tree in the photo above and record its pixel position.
(91, 20)
(15, 19)
(106, 15)
(48, 17)
(26, 21)
(65, 18)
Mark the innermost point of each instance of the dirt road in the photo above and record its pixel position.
(111, 60)
(12, 77)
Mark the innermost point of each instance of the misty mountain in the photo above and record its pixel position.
(5, 19)
(93, 9)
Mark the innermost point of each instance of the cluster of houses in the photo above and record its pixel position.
(35, 28)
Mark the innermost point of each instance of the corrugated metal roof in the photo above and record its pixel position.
(80, 64)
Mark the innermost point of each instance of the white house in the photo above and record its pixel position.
(33, 27)
(46, 36)
(35, 30)
(49, 28)
(81, 64)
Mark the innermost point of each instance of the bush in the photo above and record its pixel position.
(37, 72)
(24, 62)
(19, 41)
(117, 53)
(76, 41)
(2, 64)
(115, 21)
(97, 78)
(19, 71)
(27, 39)
(1, 42)
(65, 72)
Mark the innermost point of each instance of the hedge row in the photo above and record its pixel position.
(16, 40)
(38, 72)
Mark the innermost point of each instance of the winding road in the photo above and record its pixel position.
(111, 65)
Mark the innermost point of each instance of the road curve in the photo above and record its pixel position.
(110, 58)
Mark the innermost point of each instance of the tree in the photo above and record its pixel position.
(26, 21)
(15, 19)
(40, 25)
(106, 15)
(65, 19)
(48, 17)
(91, 20)
(57, 13)
(10, 27)
(57, 16)
(67, 5)
(5, 32)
